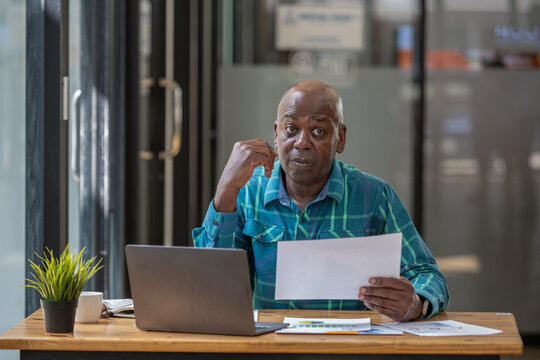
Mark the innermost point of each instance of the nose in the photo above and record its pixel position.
(303, 140)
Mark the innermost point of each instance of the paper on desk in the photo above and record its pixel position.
(255, 314)
(380, 330)
(441, 328)
(325, 326)
(334, 268)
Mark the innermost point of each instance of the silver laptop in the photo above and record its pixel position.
(197, 290)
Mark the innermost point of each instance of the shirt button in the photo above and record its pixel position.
(303, 219)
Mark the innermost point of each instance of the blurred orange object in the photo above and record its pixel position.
(435, 59)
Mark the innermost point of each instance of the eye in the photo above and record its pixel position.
(290, 129)
(317, 131)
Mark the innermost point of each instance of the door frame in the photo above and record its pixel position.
(46, 132)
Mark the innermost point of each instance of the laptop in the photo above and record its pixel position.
(198, 290)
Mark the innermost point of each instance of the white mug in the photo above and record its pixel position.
(89, 307)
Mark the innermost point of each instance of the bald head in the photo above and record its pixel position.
(318, 92)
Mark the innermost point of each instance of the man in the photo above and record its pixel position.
(308, 194)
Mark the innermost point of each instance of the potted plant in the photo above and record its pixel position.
(60, 281)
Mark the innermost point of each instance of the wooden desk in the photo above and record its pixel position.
(117, 338)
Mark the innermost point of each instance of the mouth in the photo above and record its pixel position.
(301, 162)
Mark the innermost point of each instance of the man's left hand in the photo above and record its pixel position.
(392, 297)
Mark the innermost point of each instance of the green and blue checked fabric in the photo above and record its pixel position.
(351, 204)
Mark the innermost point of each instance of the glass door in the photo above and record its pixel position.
(74, 130)
(128, 162)
(96, 129)
(483, 154)
(156, 138)
(12, 165)
(147, 135)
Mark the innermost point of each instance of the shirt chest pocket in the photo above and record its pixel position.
(355, 228)
(264, 240)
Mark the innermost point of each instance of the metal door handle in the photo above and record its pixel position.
(177, 119)
(75, 128)
(147, 83)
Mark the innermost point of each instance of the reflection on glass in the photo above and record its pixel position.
(74, 128)
(12, 164)
(483, 136)
(146, 164)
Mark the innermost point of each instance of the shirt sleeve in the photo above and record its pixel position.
(417, 263)
(221, 230)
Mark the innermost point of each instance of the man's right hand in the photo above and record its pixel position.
(245, 157)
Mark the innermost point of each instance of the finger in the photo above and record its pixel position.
(270, 153)
(265, 160)
(382, 301)
(268, 170)
(401, 284)
(387, 293)
(262, 144)
(261, 160)
(384, 311)
(379, 308)
(254, 146)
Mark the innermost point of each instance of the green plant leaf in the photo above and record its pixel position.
(62, 278)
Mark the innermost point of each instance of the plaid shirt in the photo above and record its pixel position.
(351, 204)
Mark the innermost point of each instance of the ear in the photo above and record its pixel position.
(342, 134)
(275, 133)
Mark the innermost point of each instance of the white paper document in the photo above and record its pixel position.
(255, 314)
(334, 268)
(441, 328)
(325, 326)
(380, 330)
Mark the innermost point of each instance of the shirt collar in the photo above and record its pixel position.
(275, 189)
(272, 187)
(336, 184)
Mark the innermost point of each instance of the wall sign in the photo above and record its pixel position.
(319, 27)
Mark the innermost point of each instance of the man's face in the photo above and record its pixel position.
(307, 135)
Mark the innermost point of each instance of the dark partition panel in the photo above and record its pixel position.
(46, 132)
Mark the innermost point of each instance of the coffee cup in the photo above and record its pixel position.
(89, 307)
